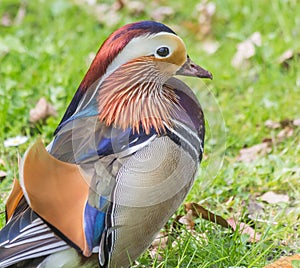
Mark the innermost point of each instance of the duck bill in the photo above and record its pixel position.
(192, 69)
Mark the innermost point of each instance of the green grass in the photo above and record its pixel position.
(47, 54)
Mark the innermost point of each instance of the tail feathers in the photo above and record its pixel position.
(30, 250)
(26, 236)
(22, 218)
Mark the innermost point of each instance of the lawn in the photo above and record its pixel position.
(251, 108)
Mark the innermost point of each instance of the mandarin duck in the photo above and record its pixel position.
(121, 162)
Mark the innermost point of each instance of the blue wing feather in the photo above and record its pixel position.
(72, 144)
(104, 142)
(94, 220)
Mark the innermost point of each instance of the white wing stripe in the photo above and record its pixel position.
(33, 231)
(190, 131)
(182, 138)
(135, 148)
(29, 240)
(52, 248)
(36, 222)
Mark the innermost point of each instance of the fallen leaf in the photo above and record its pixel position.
(104, 13)
(162, 12)
(20, 15)
(244, 228)
(136, 7)
(107, 15)
(187, 220)
(273, 198)
(296, 122)
(89, 2)
(199, 211)
(255, 38)
(283, 123)
(286, 262)
(41, 111)
(287, 126)
(6, 20)
(119, 4)
(2, 174)
(210, 47)
(160, 242)
(286, 55)
(285, 133)
(257, 213)
(286, 123)
(285, 59)
(255, 209)
(154, 254)
(272, 124)
(206, 10)
(246, 50)
(250, 154)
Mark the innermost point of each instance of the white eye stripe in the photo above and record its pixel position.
(145, 46)
(138, 47)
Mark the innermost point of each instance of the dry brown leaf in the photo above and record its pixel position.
(162, 12)
(154, 254)
(160, 242)
(255, 209)
(286, 262)
(286, 123)
(20, 15)
(273, 198)
(283, 123)
(244, 228)
(296, 122)
(187, 220)
(107, 14)
(6, 20)
(210, 47)
(41, 111)
(272, 124)
(246, 50)
(206, 9)
(286, 55)
(256, 39)
(2, 174)
(250, 154)
(285, 59)
(199, 211)
(119, 4)
(136, 7)
(285, 133)
(259, 211)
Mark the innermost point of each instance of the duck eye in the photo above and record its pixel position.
(163, 51)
